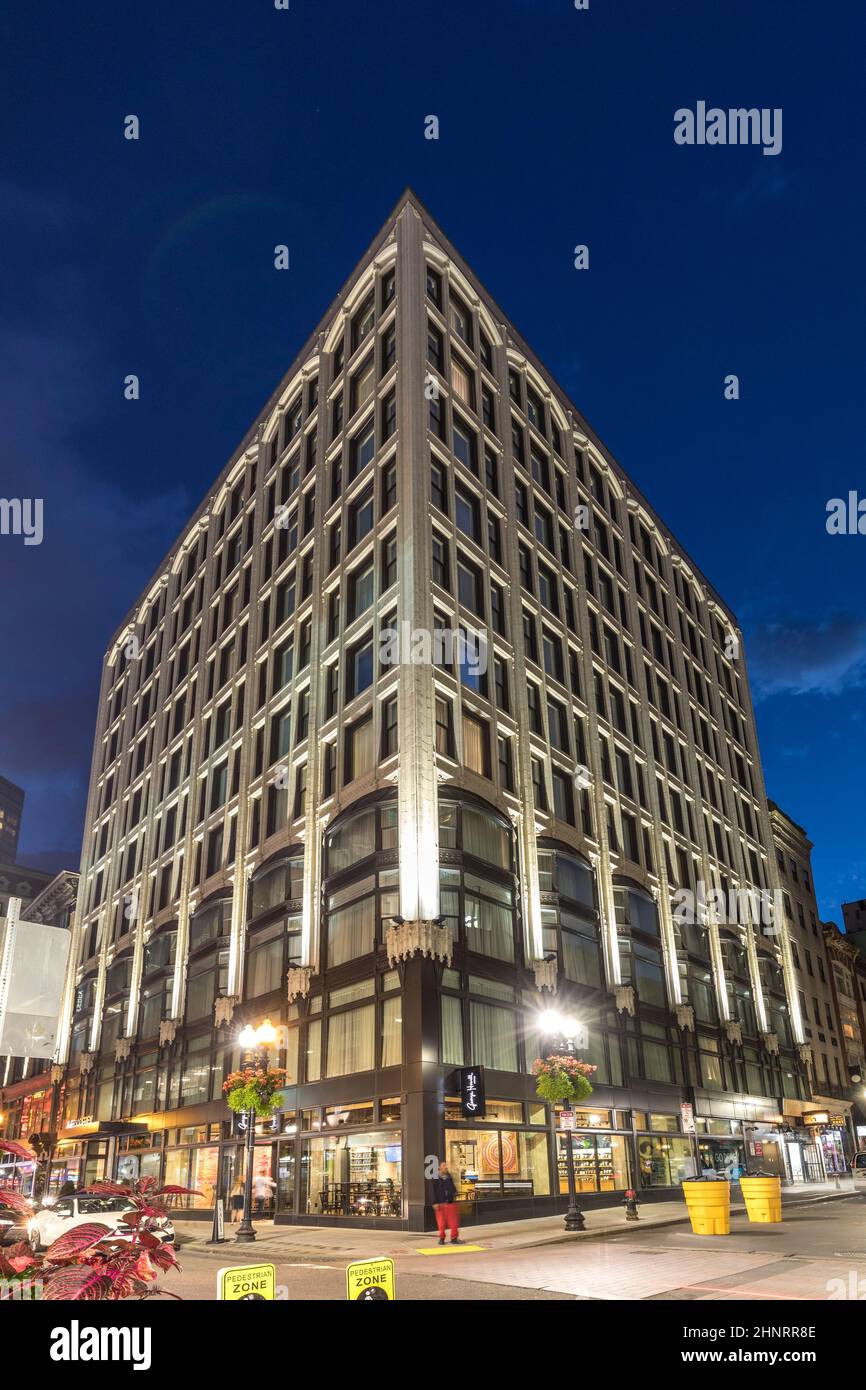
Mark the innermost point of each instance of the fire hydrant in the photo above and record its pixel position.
(630, 1202)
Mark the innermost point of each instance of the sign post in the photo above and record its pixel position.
(218, 1233)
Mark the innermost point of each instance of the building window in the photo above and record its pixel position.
(359, 750)
(389, 728)
(476, 744)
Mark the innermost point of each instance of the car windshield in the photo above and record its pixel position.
(94, 1206)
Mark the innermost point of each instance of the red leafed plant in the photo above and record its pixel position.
(90, 1262)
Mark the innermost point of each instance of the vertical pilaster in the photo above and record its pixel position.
(417, 799)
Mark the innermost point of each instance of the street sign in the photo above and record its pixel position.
(566, 1119)
(687, 1114)
(370, 1281)
(246, 1283)
(218, 1231)
(472, 1097)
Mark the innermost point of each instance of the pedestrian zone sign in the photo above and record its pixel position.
(247, 1283)
(370, 1280)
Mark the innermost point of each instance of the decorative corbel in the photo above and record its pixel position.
(545, 974)
(298, 981)
(625, 999)
(223, 1009)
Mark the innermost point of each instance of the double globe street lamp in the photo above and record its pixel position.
(255, 1042)
(565, 1036)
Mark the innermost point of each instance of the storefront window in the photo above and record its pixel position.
(600, 1161)
(494, 1163)
(722, 1157)
(205, 1169)
(664, 1124)
(286, 1175)
(356, 1174)
(664, 1162)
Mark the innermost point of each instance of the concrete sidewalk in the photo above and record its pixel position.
(337, 1242)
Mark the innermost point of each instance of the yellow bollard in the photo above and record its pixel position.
(763, 1198)
(709, 1205)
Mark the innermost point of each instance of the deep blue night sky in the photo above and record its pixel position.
(260, 127)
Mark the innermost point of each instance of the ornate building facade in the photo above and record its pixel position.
(426, 724)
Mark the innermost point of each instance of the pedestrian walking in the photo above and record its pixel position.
(263, 1189)
(236, 1201)
(445, 1205)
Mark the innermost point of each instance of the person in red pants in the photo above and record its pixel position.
(445, 1205)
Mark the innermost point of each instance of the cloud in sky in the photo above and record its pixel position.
(826, 658)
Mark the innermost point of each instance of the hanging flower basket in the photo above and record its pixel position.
(254, 1088)
(562, 1079)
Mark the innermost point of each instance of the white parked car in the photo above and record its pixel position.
(80, 1209)
(858, 1172)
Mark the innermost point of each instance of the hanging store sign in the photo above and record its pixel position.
(472, 1098)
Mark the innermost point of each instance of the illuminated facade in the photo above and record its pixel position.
(425, 716)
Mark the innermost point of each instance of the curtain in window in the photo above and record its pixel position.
(363, 752)
(392, 1032)
(351, 931)
(352, 842)
(269, 890)
(574, 880)
(580, 960)
(489, 928)
(265, 967)
(474, 746)
(452, 1030)
(482, 836)
(494, 1039)
(351, 1041)
(314, 1050)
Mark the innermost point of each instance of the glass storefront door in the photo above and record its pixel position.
(286, 1175)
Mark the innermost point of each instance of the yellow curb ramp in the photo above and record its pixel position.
(447, 1249)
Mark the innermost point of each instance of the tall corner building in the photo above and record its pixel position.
(416, 732)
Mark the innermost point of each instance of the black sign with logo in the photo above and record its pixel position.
(472, 1092)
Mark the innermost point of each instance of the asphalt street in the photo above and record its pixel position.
(817, 1253)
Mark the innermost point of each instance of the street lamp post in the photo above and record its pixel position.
(565, 1035)
(252, 1039)
(574, 1218)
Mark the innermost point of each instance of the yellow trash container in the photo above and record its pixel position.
(763, 1198)
(709, 1205)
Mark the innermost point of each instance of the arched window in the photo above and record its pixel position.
(570, 923)
(639, 943)
(358, 906)
(359, 834)
(207, 967)
(476, 897)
